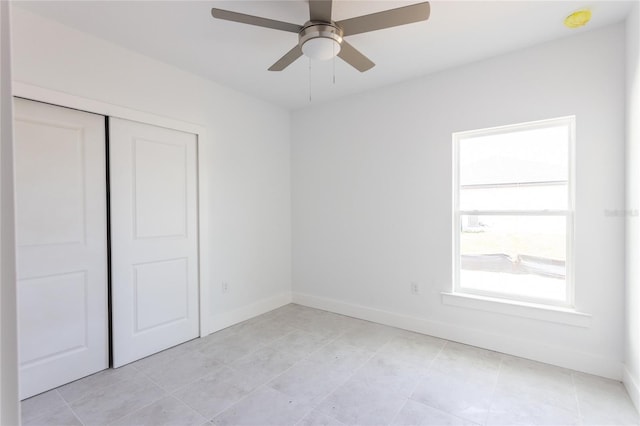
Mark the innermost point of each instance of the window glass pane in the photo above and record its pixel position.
(540, 196)
(516, 157)
(517, 255)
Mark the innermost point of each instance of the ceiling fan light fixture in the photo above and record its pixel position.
(321, 48)
(320, 41)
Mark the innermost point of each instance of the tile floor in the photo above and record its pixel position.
(302, 366)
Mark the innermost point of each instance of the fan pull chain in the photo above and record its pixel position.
(309, 80)
(334, 71)
(334, 63)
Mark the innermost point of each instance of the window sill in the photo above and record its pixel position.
(558, 315)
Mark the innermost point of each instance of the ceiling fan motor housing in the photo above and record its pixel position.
(320, 40)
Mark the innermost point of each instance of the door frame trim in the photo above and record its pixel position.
(40, 94)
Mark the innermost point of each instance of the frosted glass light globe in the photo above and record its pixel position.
(321, 48)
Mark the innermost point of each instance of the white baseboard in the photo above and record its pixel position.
(516, 346)
(227, 319)
(633, 386)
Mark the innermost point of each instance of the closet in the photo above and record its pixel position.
(106, 236)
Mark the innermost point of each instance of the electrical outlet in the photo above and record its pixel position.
(415, 288)
(225, 286)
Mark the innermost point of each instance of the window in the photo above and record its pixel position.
(513, 212)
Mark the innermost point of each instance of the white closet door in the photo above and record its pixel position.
(61, 245)
(154, 239)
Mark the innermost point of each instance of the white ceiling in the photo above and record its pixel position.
(184, 34)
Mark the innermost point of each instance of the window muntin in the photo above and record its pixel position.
(513, 212)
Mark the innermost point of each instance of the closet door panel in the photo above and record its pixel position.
(154, 237)
(61, 245)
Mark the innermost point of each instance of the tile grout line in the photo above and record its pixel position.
(211, 373)
(223, 365)
(266, 383)
(155, 402)
(493, 392)
(299, 422)
(338, 336)
(138, 409)
(68, 404)
(341, 384)
(51, 410)
(41, 413)
(153, 382)
(335, 338)
(575, 395)
(130, 413)
(207, 420)
(171, 394)
(374, 353)
(404, 404)
(198, 411)
(422, 375)
(199, 353)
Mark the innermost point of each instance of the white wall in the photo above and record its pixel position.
(632, 337)
(371, 185)
(9, 410)
(246, 152)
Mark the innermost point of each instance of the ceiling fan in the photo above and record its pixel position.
(322, 38)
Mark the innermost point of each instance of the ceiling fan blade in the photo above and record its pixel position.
(320, 10)
(386, 19)
(287, 59)
(354, 58)
(228, 15)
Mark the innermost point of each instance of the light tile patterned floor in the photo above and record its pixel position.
(302, 366)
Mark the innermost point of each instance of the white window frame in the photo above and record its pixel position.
(568, 121)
